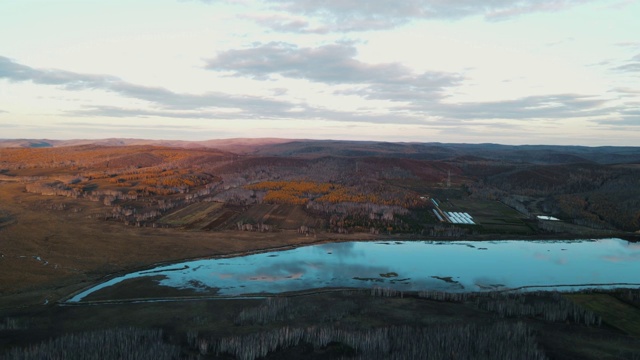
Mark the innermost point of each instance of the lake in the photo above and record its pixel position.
(452, 266)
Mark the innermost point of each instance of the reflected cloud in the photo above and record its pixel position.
(541, 256)
(274, 278)
(551, 258)
(622, 258)
(632, 246)
(561, 261)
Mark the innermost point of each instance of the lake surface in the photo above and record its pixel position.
(407, 266)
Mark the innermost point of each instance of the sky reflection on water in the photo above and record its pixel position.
(408, 265)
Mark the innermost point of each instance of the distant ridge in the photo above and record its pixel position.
(233, 145)
(301, 148)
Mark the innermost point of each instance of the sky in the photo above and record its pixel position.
(563, 72)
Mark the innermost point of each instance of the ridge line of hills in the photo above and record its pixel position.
(536, 154)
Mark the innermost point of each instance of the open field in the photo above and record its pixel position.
(614, 312)
(491, 216)
(281, 216)
(196, 216)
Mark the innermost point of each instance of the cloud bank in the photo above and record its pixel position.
(355, 15)
(418, 97)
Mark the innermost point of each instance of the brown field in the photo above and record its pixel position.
(282, 216)
(48, 252)
(195, 216)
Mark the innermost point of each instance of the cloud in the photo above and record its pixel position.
(286, 23)
(419, 94)
(356, 15)
(508, 9)
(417, 97)
(211, 114)
(631, 44)
(102, 126)
(628, 122)
(120, 112)
(164, 98)
(13, 71)
(537, 107)
(622, 4)
(632, 110)
(333, 64)
(632, 65)
(625, 92)
(188, 106)
(303, 112)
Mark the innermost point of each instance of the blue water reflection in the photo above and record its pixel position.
(409, 265)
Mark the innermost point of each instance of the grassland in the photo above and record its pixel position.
(613, 311)
(491, 216)
(281, 216)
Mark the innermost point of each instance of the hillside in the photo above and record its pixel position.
(345, 186)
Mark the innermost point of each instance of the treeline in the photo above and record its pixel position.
(542, 180)
(93, 156)
(442, 230)
(260, 227)
(114, 344)
(302, 192)
(366, 210)
(545, 305)
(551, 307)
(501, 340)
(273, 309)
(129, 208)
(345, 209)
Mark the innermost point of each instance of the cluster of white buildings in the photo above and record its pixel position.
(459, 217)
(548, 218)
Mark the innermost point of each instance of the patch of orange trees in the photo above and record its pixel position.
(300, 192)
(301, 187)
(292, 192)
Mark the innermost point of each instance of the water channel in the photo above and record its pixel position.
(403, 265)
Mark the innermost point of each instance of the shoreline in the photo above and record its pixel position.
(408, 237)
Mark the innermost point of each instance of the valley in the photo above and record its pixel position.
(73, 215)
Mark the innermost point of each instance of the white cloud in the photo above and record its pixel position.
(354, 15)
